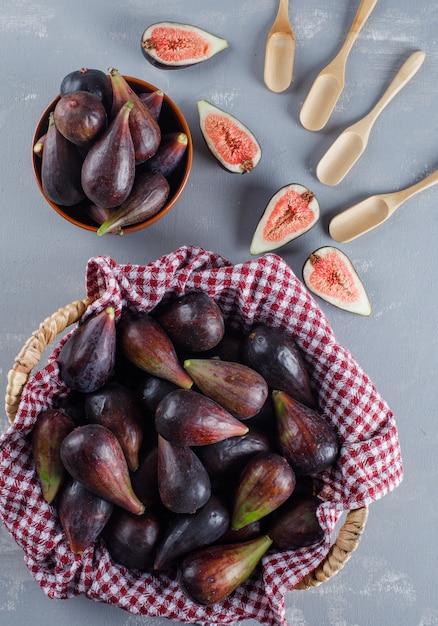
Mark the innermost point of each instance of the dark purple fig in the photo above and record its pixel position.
(152, 390)
(210, 574)
(91, 80)
(308, 442)
(183, 481)
(295, 525)
(229, 347)
(80, 117)
(61, 168)
(170, 45)
(83, 515)
(131, 539)
(169, 155)
(86, 360)
(266, 481)
(108, 170)
(188, 418)
(145, 131)
(92, 455)
(232, 454)
(230, 141)
(48, 433)
(147, 197)
(100, 214)
(154, 101)
(274, 354)
(250, 531)
(144, 342)
(144, 480)
(74, 405)
(238, 388)
(117, 408)
(190, 531)
(193, 321)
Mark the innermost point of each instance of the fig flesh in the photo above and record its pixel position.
(83, 515)
(228, 139)
(236, 387)
(61, 167)
(190, 531)
(193, 321)
(183, 482)
(81, 117)
(273, 353)
(266, 482)
(188, 418)
(48, 433)
(145, 343)
(92, 455)
(330, 274)
(108, 170)
(172, 45)
(86, 360)
(210, 574)
(291, 212)
(147, 197)
(307, 441)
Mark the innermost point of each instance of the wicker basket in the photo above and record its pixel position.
(352, 528)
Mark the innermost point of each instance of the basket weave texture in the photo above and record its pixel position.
(263, 290)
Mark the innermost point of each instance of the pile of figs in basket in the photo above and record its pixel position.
(183, 444)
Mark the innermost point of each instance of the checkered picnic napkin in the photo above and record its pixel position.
(261, 290)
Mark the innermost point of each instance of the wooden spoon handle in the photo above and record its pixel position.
(395, 199)
(362, 14)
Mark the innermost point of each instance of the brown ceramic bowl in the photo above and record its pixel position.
(171, 120)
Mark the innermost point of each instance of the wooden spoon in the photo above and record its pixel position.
(373, 211)
(328, 85)
(280, 51)
(351, 143)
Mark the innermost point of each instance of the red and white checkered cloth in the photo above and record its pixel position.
(262, 290)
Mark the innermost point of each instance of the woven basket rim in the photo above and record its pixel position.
(27, 359)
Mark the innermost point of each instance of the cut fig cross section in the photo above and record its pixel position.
(330, 274)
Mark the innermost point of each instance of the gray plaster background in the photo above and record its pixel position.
(391, 579)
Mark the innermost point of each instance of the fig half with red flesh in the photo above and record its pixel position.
(228, 139)
(330, 274)
(171, 45)
(291, 212)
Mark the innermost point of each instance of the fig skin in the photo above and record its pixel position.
(132, 540)
(193, 321)
(144, 128)
(92, 455)
(116, 407)
(308, 442)
(83, 515)
(108, 170)
(236, 387)
(188, 418)
(86, 360)
(265, 483)
(147, 197)
(169, 155)
(152, 390)
(61, 166)
(48, 433)
(172, 45)
(274, 354)
(188, 532)
(154, 102)
(295, 525)
(183, 482)
(144, 480)
(144, 342)
(94, 81)
(210, 574)
(80, 117)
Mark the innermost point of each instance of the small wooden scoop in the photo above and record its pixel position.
(373, 211)
(280, 51)
(351, 143)
(329, 83)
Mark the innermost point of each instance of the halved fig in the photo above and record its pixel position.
(171, 45)
(230, 141)
(330, 274)
(291, 212)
